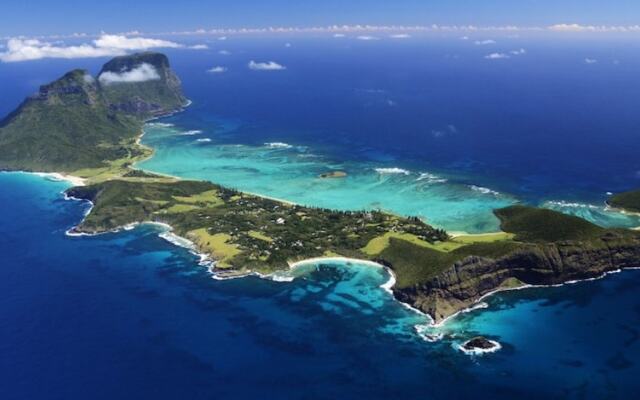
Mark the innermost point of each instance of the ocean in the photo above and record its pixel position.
(424, 126)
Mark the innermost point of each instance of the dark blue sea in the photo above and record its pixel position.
(129, 315)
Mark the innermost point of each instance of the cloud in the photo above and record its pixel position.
(266, 66)
(464, 38)
(518, 52)
(137, 43)
(287, 45)
(224, 52)
(367, 37)
(400, 36)
(593, 28)
(106, 46)
(142, 73)
(339, 35)
(199, 47)
(33, 49)
(590, 61)
(484, 42)
(222, 38)
(217, 70)
(496, 56)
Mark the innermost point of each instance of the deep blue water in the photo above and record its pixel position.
(129, 315)
(541, 126)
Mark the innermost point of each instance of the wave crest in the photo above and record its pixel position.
(278, 145)
(392, 171)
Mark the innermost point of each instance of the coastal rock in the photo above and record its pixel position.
(333, 174)
(480, 345)
(467, 281)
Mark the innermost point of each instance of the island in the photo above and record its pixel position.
(89, 127)
(480, 345)
(626, 201)
(333, 174)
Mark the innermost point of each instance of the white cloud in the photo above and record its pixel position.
(142, 73)
(287, 45)
(590, 61)
(518, 52)
(339, 35)
(224, 52)
(367, 37)
(464, 38)
(20, 49)
(400, 36)
(484, 42)
(33, 49)
(217, 70)
(222, 38)
(496, 56)
(137, 43)
(265, 66)
(199, 47)
(593, 28)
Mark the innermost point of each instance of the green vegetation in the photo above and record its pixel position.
(244, 232)
(78, 125)
(379, 244)
(415, 263)
(89, 128)
(220, 245)
(629, 201)
(531, 224)
(250, 233)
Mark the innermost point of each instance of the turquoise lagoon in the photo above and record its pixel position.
(447, 199)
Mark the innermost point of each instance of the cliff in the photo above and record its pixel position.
(79, 121)
(467, 280)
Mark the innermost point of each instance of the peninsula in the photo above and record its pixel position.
(90, 127)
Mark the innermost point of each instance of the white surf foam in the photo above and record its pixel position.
(567, 204)
(478, 352)
(278, 145)
(431, 178)
(161, 124)
(392, 171)
(191, 132)
(484, 190)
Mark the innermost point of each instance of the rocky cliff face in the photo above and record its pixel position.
(141, 84)
(465, 282)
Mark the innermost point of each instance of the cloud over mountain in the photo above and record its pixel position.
(142, 73)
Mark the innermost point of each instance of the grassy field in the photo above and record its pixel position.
(218, 244)
(380, 243)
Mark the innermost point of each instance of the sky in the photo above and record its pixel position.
(46, 17)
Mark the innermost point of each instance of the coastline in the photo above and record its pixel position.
(54, 176)
(479, 304)
(206, 260)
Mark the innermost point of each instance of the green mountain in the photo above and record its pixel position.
(79, 121)
(629, 201)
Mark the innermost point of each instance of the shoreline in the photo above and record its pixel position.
(479, 304)
(206, 260)
(54, 176)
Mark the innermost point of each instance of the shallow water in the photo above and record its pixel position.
(129, 315)
(448, 199)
